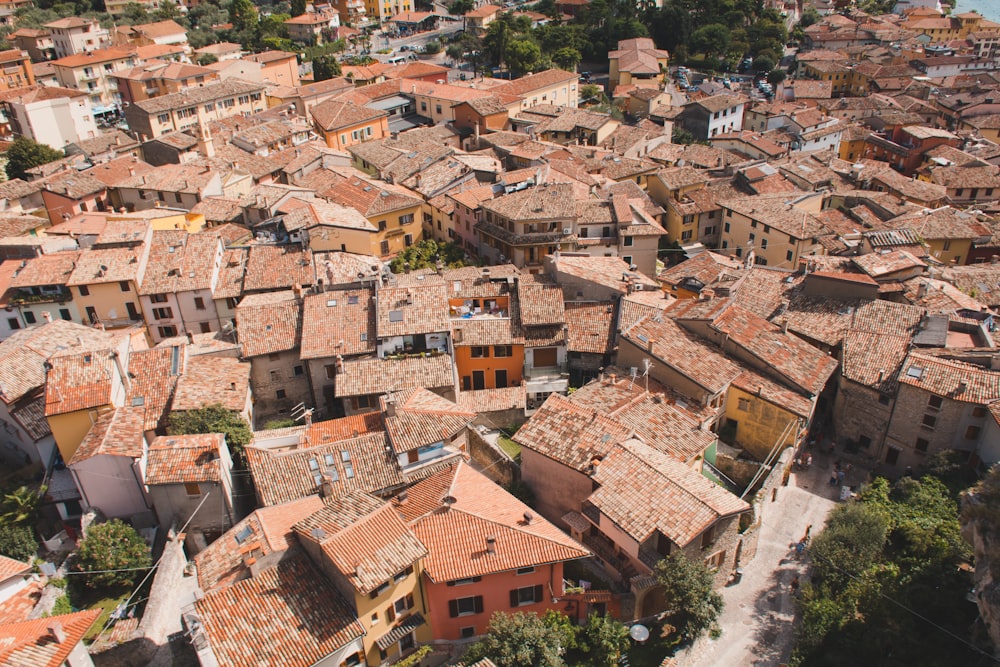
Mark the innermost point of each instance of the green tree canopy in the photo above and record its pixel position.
(325, 67)
(711, 40)
(243, 15)
(298, 7)
(461, 7)
(18, 542)
(567, 58)
(601, 642)
(687, 584)
(112, 546)
(521, 640)
(215, 418)
(26, 153)
(522, 56)
(426, 254)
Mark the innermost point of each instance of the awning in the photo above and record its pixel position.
(406, 627)
(388, 103)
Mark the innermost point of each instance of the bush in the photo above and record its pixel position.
(62, 606)
(18, 542)
(25, 153)
(432, 47)
(112, 546)
(215, 418)
(279, 423)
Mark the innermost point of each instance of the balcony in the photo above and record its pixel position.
(546, 380)
(23, 297)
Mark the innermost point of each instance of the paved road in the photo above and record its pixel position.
(758, 620)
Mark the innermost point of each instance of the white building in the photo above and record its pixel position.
(50, 115)
(73, 34)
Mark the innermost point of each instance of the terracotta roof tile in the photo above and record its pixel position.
(153, 376)
(10, 568)
(231, 274)
(45, 270)
(180, 262)
(357, 463)
(642, 491)
(31, 643)
(364, 538)
(956, 380)
(365, 377)
(179, 459)
(570, 433)
(289, 615)
(403, 311)
(455, 536)
(115, 433)
(267, 530)
(269, 323)
(106, 265)
(209, 379)
(493, 400)
(272, 268)
(591, 327)
(78, 381)
(874, 359)
(420, 418)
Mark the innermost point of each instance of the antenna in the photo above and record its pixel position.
(646, 365)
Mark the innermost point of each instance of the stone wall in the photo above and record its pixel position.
(496, 464)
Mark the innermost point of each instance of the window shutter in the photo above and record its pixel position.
(453, 608)
(390, 614)
(479, 604)
(513, 598)
(538, 593)
(409, 601)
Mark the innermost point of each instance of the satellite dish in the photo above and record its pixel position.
(639, 632)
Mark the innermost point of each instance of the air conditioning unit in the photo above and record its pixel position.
(567, 230)
(637, 287)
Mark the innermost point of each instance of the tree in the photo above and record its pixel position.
(215, 418)
(112, 546)
(520, 640)
(711, 40)
(18, 542)
(426, 254)
(20, 506)
(567, 58)
(298, 7)
(325, 67)
(602, 641)
(776, 76)
(687, 584)
(432, 47)
(461, 7)
(26, 153)
(522, 56)
(243, 16)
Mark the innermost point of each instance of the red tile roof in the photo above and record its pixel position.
(419, 418)
(455, 535)
(32, 644)
(288, 615)
(115, 433)
(956, 380)
(269, 323)
(364, 538)
(78, 381)
(338, 322)
(179, 459)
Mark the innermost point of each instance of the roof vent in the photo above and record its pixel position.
(491, 545)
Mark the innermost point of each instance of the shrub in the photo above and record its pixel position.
(113, 553)
(18, 542)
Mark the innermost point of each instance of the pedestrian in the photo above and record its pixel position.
(800, 547)
(809, 460)
(833, 478)
(840, 477)
(795, 585)
(808, 532)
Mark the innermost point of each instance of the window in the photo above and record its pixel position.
(167, 331)
(467, 632)
(158, 298)
(921, 445)
(725, 227)
(686, 236)
(123, 284)
(375, 619)
(972, 433)
(29, 317)
(403, 575)
(627, 259)
(883, 399)
(275, 376)
(465, 606)
(527, 595)
(525, 570)
(298, 370)
(405, 219)
(403, 604)
(715, 561)
(64, 313)
(763, 244)
(199, 303)
(84, 290)
(627, 241)
(192, 489)
(205, 327)
(503, 351)
(979, 412)
(331, 371)
(13, 323)
(864, 441)
(279, 394)
(929, 421)
(744, 405)
(934, 402)
(163, 118)
(163, 313)
(408, 240)
(480, 351)
(438, 107)
(788, 256)
(463, 582)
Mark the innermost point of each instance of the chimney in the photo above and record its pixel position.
(308, 417)
(131, 171)
(47, 316)
(190, 337)
(528, 516)
(390, 407)
(232, 386)
(326, 487)
(491, 545)
(402, 497)
(57, 632)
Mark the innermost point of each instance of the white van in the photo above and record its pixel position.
(397, 60)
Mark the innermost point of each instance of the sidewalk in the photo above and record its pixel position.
(758, 619)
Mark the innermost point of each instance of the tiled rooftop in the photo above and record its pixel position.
(378, 376)
(210, 379)
(289, 614)
(153, 375)
(351, 463)
(79, 380)
(364, 538)
(31, 642)
(115, 433)
(955, 380)
(272, 267)
(419, 418)
(455, 536)
(338, 322)
(179, 459)
(417, 309)
(268, 323)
